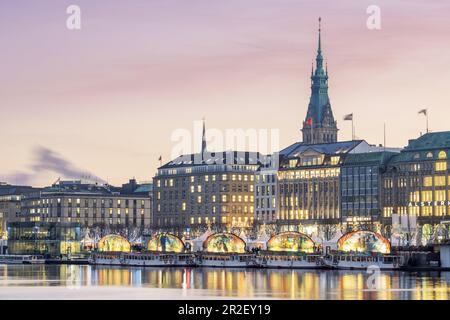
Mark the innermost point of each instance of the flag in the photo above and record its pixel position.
(160, 158)
(348, 117)
(309, 122)
(424, 111)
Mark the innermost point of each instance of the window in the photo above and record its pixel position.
(441, 166)
(439, 181)
(224, 177)
(335, 160)
(428, 181)
(442, 155)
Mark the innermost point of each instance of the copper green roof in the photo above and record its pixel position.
(421, 148)
(375, 158)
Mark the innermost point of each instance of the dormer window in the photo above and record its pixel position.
(442, 155)
(293, 163)
(335, 160)
(429, 155)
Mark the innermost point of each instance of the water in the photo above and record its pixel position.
(100, 282)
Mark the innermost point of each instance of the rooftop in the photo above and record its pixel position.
(325, 148)
(215, 158)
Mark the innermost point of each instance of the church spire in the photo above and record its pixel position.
(319, 58)
(319, 125)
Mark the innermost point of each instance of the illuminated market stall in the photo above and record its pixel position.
(165, 242)
(364, 241)
(114, 243)
(224, 243)
(291, 241)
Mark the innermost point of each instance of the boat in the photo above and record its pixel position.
(21, 259)
(225, 260)
(343, 260)
(291, 260)
(150, 259)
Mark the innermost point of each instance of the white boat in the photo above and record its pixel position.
(21, 259)
(362, 261)
(151, 259)
(225, 260)
(269, 259)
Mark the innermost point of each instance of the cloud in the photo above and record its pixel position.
(46, 160)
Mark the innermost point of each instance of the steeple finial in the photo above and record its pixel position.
(320, 31)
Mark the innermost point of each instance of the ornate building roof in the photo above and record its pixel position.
(319, 125)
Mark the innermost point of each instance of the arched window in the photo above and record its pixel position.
(442, 155)
(429, 155)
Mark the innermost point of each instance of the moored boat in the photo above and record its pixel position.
(225, 260)
(21, 259)
(363, 261)
(150, 259)
(268, 259)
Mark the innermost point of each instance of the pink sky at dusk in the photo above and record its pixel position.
(107, 97)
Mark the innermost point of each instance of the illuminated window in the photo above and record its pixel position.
(427, 211)
(213, 178)
(441, 166)
(335, 160)
(439, 195)
(427, 196)
(428, 181)
(192, 178)
(233, 177)
(192, 189)
(183, 206)
(206, 178)
(224, 219)
(171, 183)
(442, 155)
(293, 163)
(439, 181)
(199, 188)
(440, 211)
(429, 155)
(192, 220)
(224, 177)
(213, 198)
(224, 198)
(199, 199)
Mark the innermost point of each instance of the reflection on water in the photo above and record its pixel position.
(242, 283)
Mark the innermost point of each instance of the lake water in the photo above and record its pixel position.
(100, 282)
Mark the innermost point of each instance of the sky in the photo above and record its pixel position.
(105, 100)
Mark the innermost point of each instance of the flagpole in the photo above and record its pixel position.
(353, 129)
(384, 136)
(426, 115)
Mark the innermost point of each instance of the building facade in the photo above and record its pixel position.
(45, 238)
(266, 196)
(416, 189)
(10, 204)
(361, 189)
(198, 190)
(90, 205)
